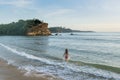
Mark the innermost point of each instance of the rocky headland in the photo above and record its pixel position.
(31, 27)
(40, 29)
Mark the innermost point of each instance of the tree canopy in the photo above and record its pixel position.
(59, 29)
(18, 28)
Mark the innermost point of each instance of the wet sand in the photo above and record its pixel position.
(9, 72)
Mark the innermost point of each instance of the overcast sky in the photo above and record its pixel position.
(95, 15)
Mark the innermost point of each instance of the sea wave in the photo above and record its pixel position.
(70, 68)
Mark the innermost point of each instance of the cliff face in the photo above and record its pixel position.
(40, 29)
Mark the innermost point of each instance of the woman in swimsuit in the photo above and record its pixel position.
(66, 55)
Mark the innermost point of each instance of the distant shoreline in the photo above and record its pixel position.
(64, 30)
(77, 32)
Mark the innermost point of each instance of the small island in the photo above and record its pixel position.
(31, 27)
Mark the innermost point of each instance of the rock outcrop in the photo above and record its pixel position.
(40, 29)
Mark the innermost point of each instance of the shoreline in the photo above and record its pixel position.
(9, 72)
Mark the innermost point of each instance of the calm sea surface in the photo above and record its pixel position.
(93, 56)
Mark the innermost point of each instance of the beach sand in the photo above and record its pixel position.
(9, 72)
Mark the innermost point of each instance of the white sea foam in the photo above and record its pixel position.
(26, 55)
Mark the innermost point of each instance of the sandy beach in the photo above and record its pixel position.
(9, 72)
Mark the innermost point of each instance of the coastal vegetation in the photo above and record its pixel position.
(59, 29)
(64, 30)
(25, 27)
(32, 27)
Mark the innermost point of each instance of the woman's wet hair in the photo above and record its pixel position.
(66, 50)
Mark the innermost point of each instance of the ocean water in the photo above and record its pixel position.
(93, 56)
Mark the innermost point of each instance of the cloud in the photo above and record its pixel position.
(59, 12)
(112, 5)
(17, 3)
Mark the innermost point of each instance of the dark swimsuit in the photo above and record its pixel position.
(66, 57)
